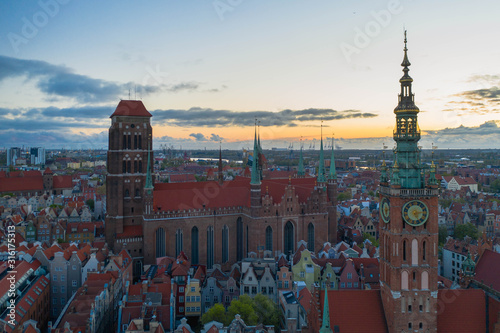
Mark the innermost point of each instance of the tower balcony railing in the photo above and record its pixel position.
(409, 192)
(415, 136)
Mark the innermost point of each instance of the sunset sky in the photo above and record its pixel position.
(207, 69)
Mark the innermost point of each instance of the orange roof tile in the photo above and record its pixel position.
(131, 108)
(130, 231)
(462, 311)
(488, 270)
(368, 305)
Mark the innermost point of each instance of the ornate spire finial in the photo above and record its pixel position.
(255, 178)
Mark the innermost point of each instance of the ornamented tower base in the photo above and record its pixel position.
(409, 231)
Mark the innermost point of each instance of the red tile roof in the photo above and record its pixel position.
(236, 193)
(48, 171)
(59, 182)
(21, 184)
(131, 108)
(488, 270)
(367, 305)
(130, 231)
(461, 311)
(21, 269)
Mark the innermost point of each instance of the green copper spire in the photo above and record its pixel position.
(468, 266)
(325, 325)
(301, 171)
(149, 181)
(255, 171)
(321, 169)
(407, 133)
(333, 173)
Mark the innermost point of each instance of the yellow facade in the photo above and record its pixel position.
(193, 298)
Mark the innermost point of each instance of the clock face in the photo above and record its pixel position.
(415, 213)
(385, 209)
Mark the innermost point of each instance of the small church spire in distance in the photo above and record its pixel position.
(333, 173)
(255, 179)
(321, 168)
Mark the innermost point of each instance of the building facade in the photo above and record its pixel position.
(213, 222)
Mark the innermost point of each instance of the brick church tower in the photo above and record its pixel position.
(130, 138)
(409, 226)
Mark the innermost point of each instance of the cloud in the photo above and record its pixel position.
(216, 138)
(198, 136)
(206, 117)
(60, 81)
(483, 100)
(488, 128)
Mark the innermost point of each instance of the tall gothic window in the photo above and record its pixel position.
(210, 247)
(194, 246)
(124, 142)
(135, 141)
(288, 238)
(178, 242)
(160, 242)
(127, 193)
(129, 141)
(239, 239)
(140, 141)
(310, 237)
(225, 244)
(269, 238)
(124, 167)
(129, 164)
(140, 166)
(414, 252)
(135, 167)
(404, 250)
(424, 250)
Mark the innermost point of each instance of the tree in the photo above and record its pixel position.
(217, 313)
(266, 310)
(495, 186)
(90, 203)
(244, 307)
(344, 196)
(443, 233)
(467, 229)
(372, 239)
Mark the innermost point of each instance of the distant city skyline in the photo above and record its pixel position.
(207, 70)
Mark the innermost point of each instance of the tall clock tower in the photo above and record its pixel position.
(409, 225)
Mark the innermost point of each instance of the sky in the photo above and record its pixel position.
(207, 69)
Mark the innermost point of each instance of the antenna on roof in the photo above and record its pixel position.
(135, 92)
(129, 93)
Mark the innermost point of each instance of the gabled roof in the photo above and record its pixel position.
(356, 310)
(463, 311)
(131, 109)
(488, 270)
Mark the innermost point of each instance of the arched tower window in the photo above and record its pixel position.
(194, 246)
(140, 141)
(225, 244)
(160, 242)
(425, 280)
(269, 238)
(127, 193)
(129, 167)
(404, 280)
(210, 247)
(404, 250)
(136, 168)
(178, 242)
(289, 239)
(124, 167)
(310, 237)
(414, 252)
(424, 250)
(124, 143)
(239, 239)
(140, 166)
(137, 194)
